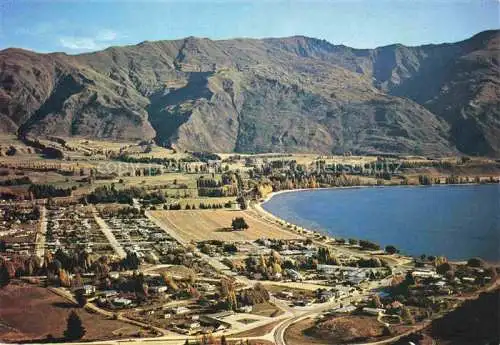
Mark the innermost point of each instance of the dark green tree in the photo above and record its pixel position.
(74, 328)
(239, 223)
(80, 297)
(391, 249)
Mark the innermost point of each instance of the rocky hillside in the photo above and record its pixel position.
(294, 94)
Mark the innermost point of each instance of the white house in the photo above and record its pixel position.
(122, 301)
(374, 311)
(158, 289)
(88, 289)
(180, 310)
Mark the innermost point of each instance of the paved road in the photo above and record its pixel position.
(109, 234)
(41, 234)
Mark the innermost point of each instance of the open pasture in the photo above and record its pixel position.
(203, 225)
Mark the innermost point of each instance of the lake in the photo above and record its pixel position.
(458, 222)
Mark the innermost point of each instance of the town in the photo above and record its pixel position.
(176, 247)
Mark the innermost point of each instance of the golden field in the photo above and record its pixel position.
(203, 225)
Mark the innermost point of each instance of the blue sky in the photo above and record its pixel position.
(81, 26)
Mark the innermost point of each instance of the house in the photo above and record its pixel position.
(373, 311)
(424, 273)
(346, 309)
(88, 290)
(294, 275)
(158, 289)
(235, 206)
(245, 309)
(180, 310)
(356, 278)
(122, 301)
(257, 276)
(285, 294)
(109, 293)
(439, 283)
(206, 287)
(327, 269)
(302, 303)
(193, 325)
(341, 291)
(326, 296)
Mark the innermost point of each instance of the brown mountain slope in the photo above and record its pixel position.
(248, 95)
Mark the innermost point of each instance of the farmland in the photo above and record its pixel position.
(201, 225)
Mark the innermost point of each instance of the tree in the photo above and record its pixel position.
(439, 260)
(475, 262)
(443, 268)
(80, 297)
(407, 316)
(74, 328)
(375, 302)
(64, 279)
(239, 223)
(243, 204)
(4, 276)
(391, 249)
(367, 245)
(424, 180)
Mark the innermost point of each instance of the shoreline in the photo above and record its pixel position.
(273, 194)
(258, 207)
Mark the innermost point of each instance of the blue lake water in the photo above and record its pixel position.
(458, 222)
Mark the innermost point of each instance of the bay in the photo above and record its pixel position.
(458, 222)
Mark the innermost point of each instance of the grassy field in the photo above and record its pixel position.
(29, 312)
(266, 309)
(203, 225)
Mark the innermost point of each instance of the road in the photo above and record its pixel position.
(212, 262)
(280, 330)
(41, 234)
(109, 234)
(95, 309)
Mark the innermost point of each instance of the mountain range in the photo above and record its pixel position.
(293, 94)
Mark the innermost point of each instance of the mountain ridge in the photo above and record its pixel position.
(254, 95)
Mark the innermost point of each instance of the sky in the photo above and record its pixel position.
(83, 26)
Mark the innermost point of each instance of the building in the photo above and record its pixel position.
(88, 290)
(347, 309)
(294, 275)
(424, 273)
(109, 293)
(180, 310)
(123, 302)
(326, 296)
(373, 311)
(245, 309)
(158, 289)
